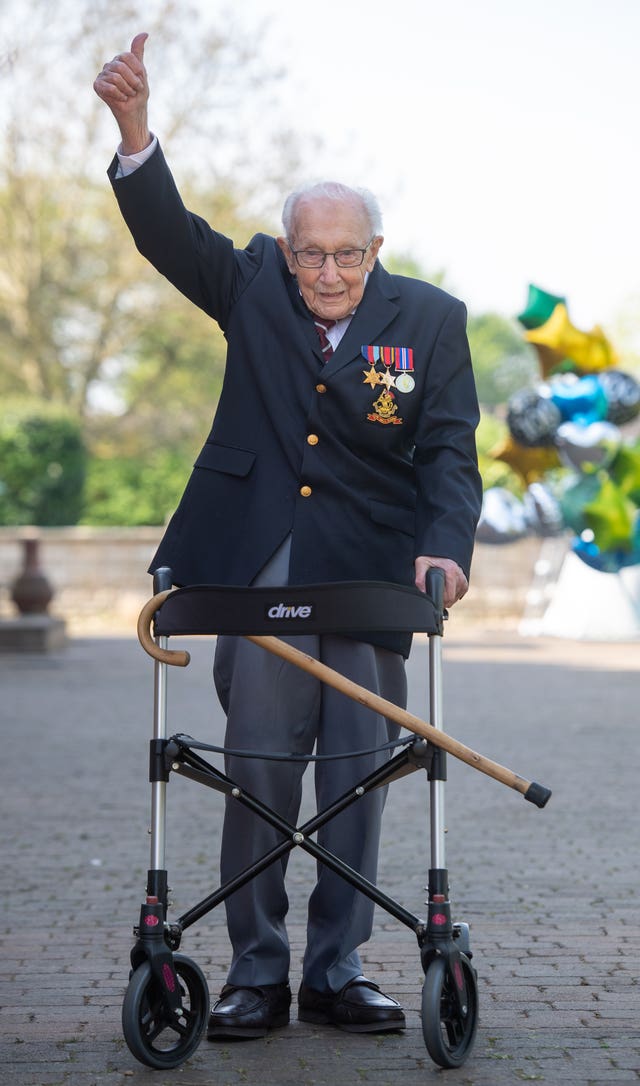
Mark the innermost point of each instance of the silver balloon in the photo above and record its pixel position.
(502, 519)
(542, 511)
(587, 448)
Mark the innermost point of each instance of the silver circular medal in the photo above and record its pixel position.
(405, 382)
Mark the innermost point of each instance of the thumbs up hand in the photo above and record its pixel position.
(122, 85)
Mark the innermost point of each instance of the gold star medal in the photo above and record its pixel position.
(372, 377)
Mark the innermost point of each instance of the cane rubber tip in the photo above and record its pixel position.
(538, 794)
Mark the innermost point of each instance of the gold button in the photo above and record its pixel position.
(312, 439)
(305, 491)
(321, 388)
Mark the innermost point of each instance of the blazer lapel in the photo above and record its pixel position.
(305, 318)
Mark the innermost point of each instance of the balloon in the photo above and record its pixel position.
(587, 448)
(540, 305)
(611, 518)
(625, 471)
(591, 351)
(542, 511)
(579, 399)
(552, 362)
(623, 396)
(502, 518)
(532, 417)
(530, 464)
(574, 498)
(605, 561)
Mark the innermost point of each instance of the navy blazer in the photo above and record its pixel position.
(298, 446)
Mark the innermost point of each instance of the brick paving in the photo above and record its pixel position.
(551, 896)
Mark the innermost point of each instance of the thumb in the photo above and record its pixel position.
(137, 46)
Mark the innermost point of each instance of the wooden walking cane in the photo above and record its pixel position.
(534, 793)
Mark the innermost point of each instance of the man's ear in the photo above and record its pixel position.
(286, 249)
(374, 249)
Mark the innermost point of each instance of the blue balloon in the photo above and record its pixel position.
(583, 400)
(604, 561)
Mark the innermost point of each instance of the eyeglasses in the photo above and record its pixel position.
(315, 258)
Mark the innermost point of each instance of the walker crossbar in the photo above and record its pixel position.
(186, 763)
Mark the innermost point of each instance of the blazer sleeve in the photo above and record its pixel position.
(199, 261)
(449, 487)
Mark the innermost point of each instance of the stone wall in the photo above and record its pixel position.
(100, 580)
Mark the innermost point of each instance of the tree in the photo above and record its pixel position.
(502, 359)
(83, 321)
(42, 466)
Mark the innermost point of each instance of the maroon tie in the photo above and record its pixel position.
(322, 327)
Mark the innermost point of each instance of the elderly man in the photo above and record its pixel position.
(342, 449)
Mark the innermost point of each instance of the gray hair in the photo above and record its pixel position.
(333, 190)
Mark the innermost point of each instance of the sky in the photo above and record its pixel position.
(501, 137)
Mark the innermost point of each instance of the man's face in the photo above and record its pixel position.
(329, 226)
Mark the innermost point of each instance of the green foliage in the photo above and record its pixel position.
(401, 263)
(42, 466)
(129, 491)
(490, 432)
(503, 361)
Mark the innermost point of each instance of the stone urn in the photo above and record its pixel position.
(31, 591)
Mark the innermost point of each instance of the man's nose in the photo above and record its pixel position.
(330, 270)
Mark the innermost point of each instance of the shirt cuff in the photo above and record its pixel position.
(129, 163)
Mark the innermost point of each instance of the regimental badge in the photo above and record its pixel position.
(384, 410)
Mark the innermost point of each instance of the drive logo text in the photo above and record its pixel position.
(288, 610)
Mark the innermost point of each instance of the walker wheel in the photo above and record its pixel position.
(448, 1031)
(153, 1035)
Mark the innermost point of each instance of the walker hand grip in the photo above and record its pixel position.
(435, 587)
(178, 657)
(162, 579)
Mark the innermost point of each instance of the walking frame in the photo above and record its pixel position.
(166, 1004)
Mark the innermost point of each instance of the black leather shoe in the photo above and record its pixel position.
(359, 1007)
(249, 1012)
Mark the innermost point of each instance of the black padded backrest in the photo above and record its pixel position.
(347, 607)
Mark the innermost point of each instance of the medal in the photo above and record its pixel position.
(401, 360)
(372, 377)
(404, 382)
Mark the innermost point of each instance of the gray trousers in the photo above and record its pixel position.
(272, 705)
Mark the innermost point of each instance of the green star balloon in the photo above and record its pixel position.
(574, 498)
(540, 305)
(625, 471)
(611, 518)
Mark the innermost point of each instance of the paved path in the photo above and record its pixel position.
(551, 896)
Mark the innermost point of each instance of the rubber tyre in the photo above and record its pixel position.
(152, 1036)
(448, 1036)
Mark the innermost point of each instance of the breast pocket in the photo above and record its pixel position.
(226, 459)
